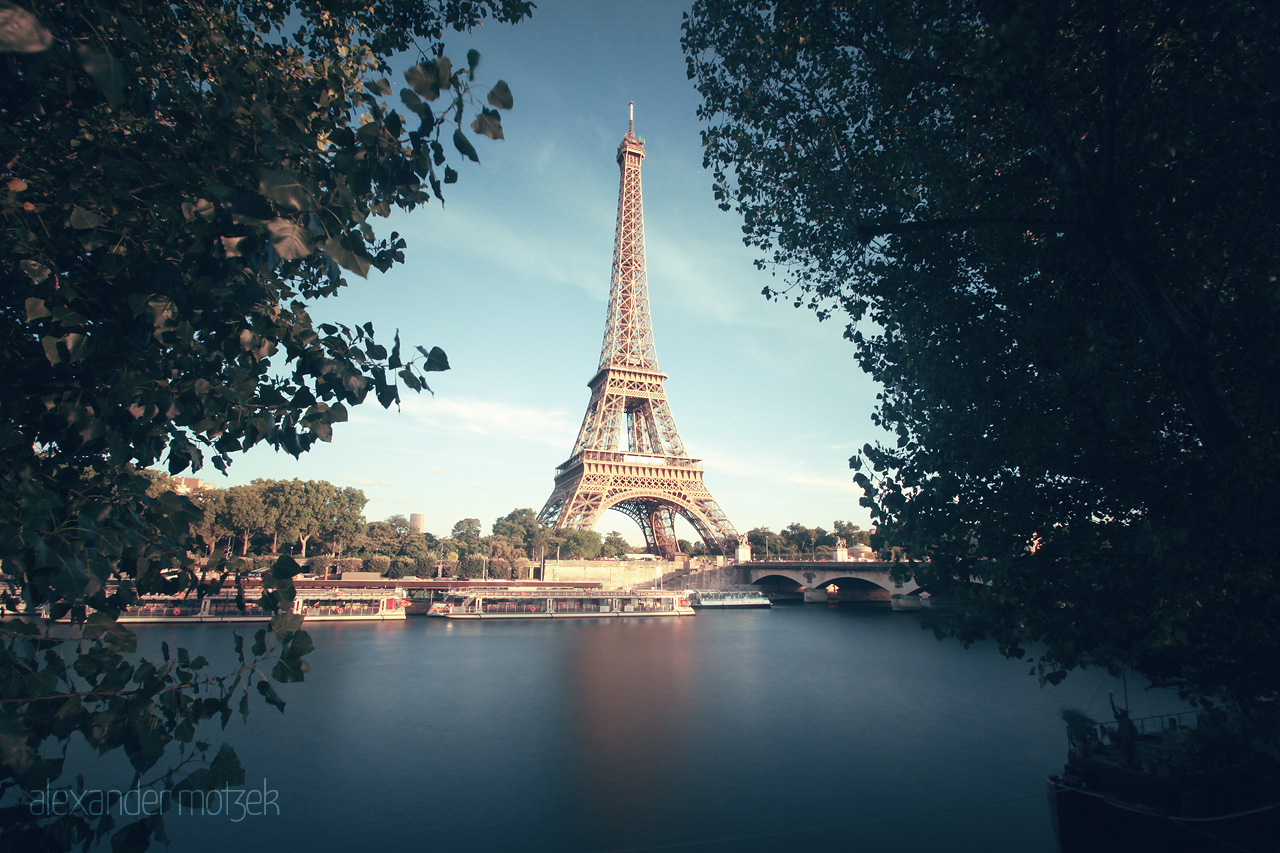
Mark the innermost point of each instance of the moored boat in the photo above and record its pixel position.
(1151, 788)
(534, 603)
(724, 599)
(316, 605)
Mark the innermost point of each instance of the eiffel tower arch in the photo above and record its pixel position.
(628, 455)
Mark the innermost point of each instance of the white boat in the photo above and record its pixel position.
(317, 605)
(545, 603)
(727, 598)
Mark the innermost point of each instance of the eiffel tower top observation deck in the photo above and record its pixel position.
(628, 455)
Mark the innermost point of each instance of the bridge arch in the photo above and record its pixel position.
(855, 581)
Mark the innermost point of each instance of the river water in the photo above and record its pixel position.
(797, 728)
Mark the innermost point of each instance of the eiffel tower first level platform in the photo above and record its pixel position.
(629, 456)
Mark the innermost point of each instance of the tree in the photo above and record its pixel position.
(520, 527)
(467, 531)
(180, 182)
(851, 533)
(344, 520)
(211, 530)
(765, 544)
(1051, 228)
(576, 544)
(614, 545)
(247, 512)
(800, 539)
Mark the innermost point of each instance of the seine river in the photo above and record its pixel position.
(797, 728)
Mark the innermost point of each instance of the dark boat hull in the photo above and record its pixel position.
(1087, 820)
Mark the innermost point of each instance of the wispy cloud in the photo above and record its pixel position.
(489, 418)
(529, 248)
(789, 472)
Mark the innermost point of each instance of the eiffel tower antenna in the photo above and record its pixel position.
(628, 455)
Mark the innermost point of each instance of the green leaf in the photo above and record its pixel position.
(285, 625)
(488, 123)
(425, 80)
(500, 96)
(14, 750)
(236, 247)
(410, 99)
(289, 668)
(464, 145)
(473, 59)
(436, 360)
(289, 239)
(84, 219)
(444, 70)
(269, 693)
(118, 638)
(105, 70)
(356, 262)
(36, 309)
(22, 32)
(35, 271)
(301, 644)
(285, 189)
(245, 206)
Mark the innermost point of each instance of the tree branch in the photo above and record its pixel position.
(871, 230)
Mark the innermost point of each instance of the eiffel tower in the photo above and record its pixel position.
(629, 456)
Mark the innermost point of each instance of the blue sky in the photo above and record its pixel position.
(511, 279)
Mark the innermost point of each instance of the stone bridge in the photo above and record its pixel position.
(855, 581)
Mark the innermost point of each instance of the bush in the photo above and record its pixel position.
(401, 566)
(377, 563)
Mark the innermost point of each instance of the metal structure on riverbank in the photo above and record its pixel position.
(628, 455)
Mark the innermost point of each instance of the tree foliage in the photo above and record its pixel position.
(1051, 229)
(179, 182)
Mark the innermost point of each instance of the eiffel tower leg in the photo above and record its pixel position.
(663, 521)
(646, 528)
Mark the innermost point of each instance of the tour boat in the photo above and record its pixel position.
(1154, 793)
(316, 605)
(721, 599)
(535, 603)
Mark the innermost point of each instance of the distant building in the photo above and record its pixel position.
(417, 523)
(190, 485)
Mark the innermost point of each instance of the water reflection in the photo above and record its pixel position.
(800, 728)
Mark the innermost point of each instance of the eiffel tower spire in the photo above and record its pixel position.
(628, 455)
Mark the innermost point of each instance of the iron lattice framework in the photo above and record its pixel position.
(629, 456)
